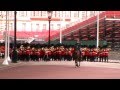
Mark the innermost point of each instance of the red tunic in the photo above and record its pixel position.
(94, 53)
(106, 53)
(63, 52)
(28, 52)
(83, 53)
(37, 53)
(20, 52)
(70, 53)
(49, 53)
(41, 53)
(87, 53)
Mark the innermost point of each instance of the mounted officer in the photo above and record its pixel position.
(77, 54)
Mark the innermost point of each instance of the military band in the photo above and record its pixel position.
(57, 53)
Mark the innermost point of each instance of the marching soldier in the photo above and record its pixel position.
(106, 54)
(22, 49)
(62, 53)
(101, 55)
(49, 54)
(46, 57)
(28, 53)
(32, 54)
(70, 53)
(20, 54)
(55, 54)
(66, 56)
(37, 55)
(83, 54)
(90, 55)
(94, 54)
(52, 53)
(42, 53)
(87, 54)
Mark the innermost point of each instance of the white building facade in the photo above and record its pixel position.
(33, 21)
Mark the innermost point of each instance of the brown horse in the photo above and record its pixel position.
(77, 58)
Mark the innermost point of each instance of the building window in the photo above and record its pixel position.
(57, 13)
(37, 27)
(3, 13)
(10, 13)
(31, 13)
(83, 15)
(44, 26)
(44, 13)
(51, 26)
(23, 13)
(92, 13)
(23, 26)
(40, 13)
(76, 14)
(61, 13)
(67, 14)
(70, 13)
(11, 26)
(35, 13)
(0, 12)
(58, 26)
(53, 14)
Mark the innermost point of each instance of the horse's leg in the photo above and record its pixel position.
(79, 60)
(75, 62)
(79, 63)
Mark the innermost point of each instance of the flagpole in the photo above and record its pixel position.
(8, 40)
(5, 62)
(60, 31)
(97, 29)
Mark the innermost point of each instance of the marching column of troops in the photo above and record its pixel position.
(58, 53)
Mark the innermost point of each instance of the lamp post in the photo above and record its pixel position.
(8, 55)
(49, 19)
(5, 62)
(14, 58)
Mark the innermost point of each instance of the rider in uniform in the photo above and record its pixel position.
(78, 52)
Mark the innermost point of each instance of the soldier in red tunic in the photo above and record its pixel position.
(90, 54)
(52, 50)
(106, 51)
(28, 53)
(37, 54)
(32, 54)
(20, 54)
(66, 56)
(87, 54)
(46, 57)
(54, 54)
(59, 54)
(3, 51)
(94, 54)
(83, 54)
(101, 54)
(49, 54)
(42, 53)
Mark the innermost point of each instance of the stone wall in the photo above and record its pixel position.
(114, 55)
